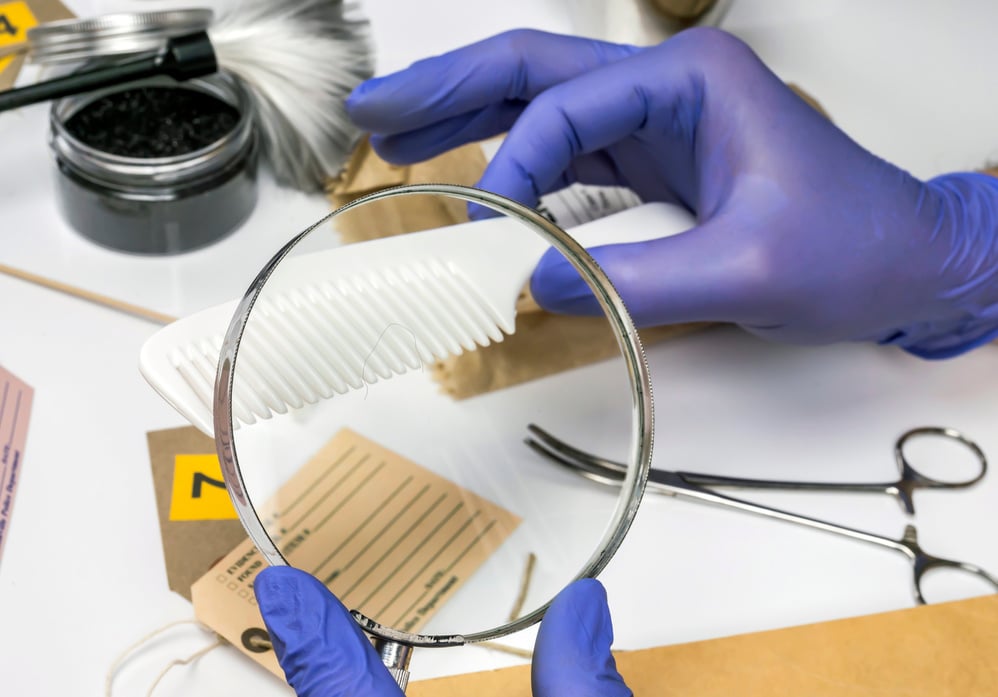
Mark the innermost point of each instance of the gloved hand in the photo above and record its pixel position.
(802, 235)
(325, 654)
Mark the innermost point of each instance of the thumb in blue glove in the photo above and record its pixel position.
(318, 643)
(324, 653)
(572, 654)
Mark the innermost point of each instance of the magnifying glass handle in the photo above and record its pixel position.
(396, 657)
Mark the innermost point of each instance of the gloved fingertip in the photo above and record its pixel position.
(584, 603)
(573, 651)
(317, 642)
(356, 97)
(281, 594)
(371, 105)
(477, 211)
(506, 179)
(558, 287)
(383, 145)
(275, 583)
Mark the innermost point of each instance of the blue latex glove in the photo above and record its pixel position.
(325, 654)
(802, 235)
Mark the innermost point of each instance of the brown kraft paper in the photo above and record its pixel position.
(944, 650)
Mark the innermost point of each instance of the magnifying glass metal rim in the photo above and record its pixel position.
(642, 422)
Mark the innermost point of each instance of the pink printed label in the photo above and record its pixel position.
(15, 408)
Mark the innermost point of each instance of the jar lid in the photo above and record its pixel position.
(73, 40)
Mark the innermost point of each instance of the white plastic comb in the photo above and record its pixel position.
(332, 321)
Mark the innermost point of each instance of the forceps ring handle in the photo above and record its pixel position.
(923, 564)
(911, 479)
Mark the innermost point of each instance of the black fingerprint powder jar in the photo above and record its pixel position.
(157, 167)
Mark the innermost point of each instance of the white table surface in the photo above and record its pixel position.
(82, 576)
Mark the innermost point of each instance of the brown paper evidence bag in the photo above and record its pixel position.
(944, 650)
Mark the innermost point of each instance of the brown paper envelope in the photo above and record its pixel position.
(366, 173)
(944, 650)
(543, 344)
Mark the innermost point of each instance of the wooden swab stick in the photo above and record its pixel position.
(89, 296)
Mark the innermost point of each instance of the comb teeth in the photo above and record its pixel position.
(309, 342)
(337, 318)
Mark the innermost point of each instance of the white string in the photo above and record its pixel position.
(130, 650)
(219, 641)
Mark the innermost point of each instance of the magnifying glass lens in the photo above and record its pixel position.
(380, 399)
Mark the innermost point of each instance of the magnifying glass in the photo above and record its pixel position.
(345, 455)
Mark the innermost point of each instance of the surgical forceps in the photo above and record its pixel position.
(693, 486)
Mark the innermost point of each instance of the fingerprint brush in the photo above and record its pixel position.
(298, 61)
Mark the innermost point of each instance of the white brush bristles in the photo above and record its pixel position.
(299, 59)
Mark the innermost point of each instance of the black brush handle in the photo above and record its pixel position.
(183, 58)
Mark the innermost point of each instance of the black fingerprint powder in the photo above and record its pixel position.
(147, 122)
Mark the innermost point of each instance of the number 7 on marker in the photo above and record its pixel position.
(198, 489)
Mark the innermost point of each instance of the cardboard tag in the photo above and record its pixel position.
(15, 408)
(385, 535)
(191, 544)
(16, 18)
